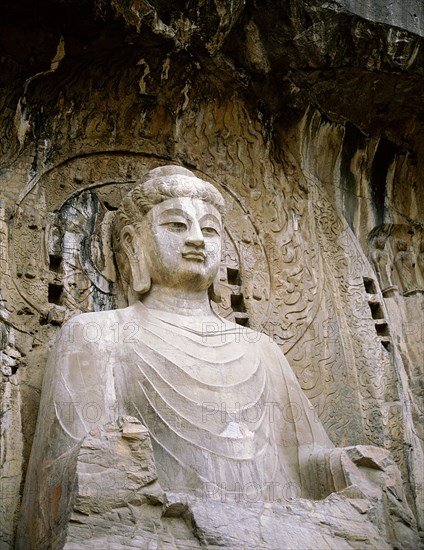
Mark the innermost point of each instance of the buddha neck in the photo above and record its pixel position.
(177, 300)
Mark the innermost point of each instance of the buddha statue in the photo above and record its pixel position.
(381, 261)
(405, 266)
(221, 404)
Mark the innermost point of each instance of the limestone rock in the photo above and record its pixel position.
(113, 467)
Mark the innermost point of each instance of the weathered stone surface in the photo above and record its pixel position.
(113, 466)
(308, 113)
(332, 524)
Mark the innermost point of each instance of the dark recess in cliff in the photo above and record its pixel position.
(384, 156)
(354, 140)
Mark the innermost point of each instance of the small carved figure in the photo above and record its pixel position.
(9, 355)
(380, 259)
(405, 266)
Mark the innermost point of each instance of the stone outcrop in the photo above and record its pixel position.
(308, 117)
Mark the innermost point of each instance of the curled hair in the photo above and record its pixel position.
(160, 184)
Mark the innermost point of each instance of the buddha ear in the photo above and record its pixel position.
(215, 288)
(139, 275)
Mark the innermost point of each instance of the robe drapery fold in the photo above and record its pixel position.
(224, 410)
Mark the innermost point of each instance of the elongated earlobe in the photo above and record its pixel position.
(214, 291)
(139, 276)
(215, 288)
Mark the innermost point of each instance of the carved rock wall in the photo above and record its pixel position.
(307, 115)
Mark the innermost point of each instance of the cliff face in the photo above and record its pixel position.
(307, 115)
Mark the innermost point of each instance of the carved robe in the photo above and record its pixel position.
(224, 410)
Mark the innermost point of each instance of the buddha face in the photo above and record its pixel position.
(182, 243)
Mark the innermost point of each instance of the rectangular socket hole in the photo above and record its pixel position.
(55, 293)
(242, 321)
(376, 311)
(386, 345)
(233, 276)
(382, 330)
(369, 285)
(237, 302)
(55, 263)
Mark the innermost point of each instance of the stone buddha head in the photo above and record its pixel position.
(168, 231)
(402, 245)
(380, 242)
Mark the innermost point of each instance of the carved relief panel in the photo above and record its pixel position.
(397, 255)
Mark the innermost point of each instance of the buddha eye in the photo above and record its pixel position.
(177, 226)
(209, 231)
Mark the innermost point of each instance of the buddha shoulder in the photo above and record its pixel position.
(99, 327)
(243, 333)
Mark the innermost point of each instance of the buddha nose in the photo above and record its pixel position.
(195, 235)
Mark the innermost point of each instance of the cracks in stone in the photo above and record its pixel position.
(191, 523)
